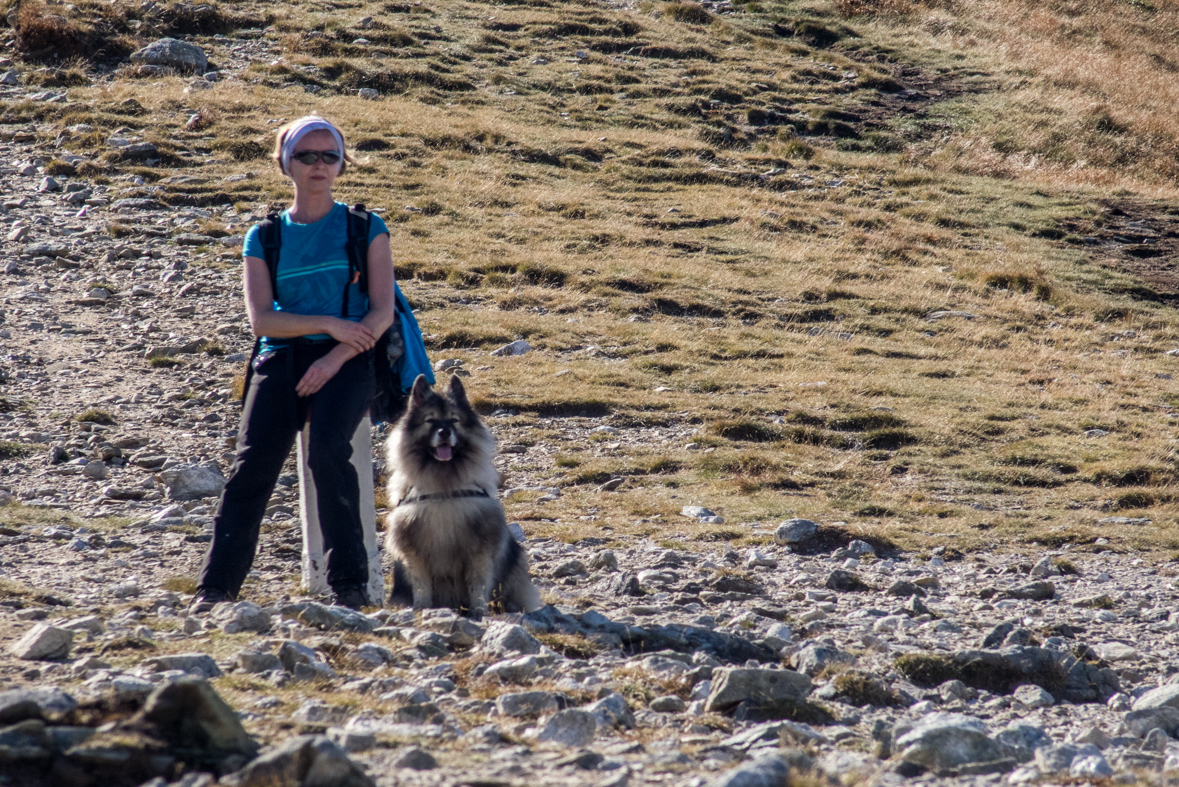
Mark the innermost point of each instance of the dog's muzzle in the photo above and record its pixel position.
(442, 441)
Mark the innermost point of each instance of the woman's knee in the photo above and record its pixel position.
(329, 455)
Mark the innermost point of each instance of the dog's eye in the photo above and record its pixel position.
(437, 422)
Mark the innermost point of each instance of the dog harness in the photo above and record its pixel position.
(442, 496)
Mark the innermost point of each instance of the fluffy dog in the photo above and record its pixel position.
(447, 533)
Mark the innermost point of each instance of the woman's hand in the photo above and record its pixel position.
(354, 334)
(318, 374)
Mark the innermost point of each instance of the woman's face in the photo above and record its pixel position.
(317, 177)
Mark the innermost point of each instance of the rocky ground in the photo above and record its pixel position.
(811, 655)
(661, 667)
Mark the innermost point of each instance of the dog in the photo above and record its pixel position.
(447, 533)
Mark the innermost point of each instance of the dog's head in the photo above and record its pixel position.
(444, 429)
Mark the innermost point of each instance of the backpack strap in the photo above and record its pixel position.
(270, 233)
(359, 220)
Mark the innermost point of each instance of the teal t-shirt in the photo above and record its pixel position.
(313, 267)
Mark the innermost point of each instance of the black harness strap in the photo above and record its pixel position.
(442, 496)
(270, 233)
(357, 246)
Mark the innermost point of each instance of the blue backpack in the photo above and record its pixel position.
(400, 353)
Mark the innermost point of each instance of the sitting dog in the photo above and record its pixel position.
(447, 532)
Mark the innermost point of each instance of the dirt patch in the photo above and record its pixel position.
(1137, 237)
(907, 94)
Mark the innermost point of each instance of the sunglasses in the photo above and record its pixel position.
(309, 157)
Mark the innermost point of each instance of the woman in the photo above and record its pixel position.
(315, 364)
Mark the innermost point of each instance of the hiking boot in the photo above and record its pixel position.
(206, 599)
(351, 596)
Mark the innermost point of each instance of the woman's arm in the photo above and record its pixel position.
(380, 316)
(265, 321)
(381, 302)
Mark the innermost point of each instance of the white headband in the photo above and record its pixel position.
(302, 126)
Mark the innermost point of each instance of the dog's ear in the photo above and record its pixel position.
(458, 393)
(417, 395)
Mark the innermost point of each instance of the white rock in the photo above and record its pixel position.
(351, 740)
(193, 482)
(793, 531)
(860, 548)
(503, 638)
(319, 712)
(569, 728)
(1044, 567)
(1162, 697)
(1033, 696)
(242, 616)
(95, 470)
(513, 670)
(1115, 651)
(1093, 766)
(128, 687)
(170, 53)
(1119, 703)
(43, 643)
(755, 558)
(518, 347)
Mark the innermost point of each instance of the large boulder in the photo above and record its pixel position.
(526, 703)
(794, 531)
(307, 761)
(34, 702)
(303, 662)
(170, 53)
(1023, 740)
(775, 731)
(201, 664)
(193, 482)
(504, 639)
(732, 686)
(1062, 675)
(612, 711)
(1139, 722)
(769, 770)
(1162, 697)
(188, 712)
(569, 728)
(946, 741)
(242, 616)
(43, 642)
(813, 659)
(254, 662)
(329, 618)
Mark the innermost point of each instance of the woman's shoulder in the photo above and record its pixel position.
(377, 225)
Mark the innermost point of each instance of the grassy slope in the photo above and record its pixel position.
(593, 178)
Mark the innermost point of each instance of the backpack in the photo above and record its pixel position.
(400, 352)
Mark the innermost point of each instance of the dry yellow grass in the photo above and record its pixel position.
(614, 209)
(1089, 88)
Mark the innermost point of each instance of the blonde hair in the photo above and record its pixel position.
(280, 139)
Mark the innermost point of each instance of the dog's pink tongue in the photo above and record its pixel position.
(442, 453)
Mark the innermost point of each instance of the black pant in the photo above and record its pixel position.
(272, 417)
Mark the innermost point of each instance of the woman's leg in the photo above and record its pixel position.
(269, 424)
(335, 414)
